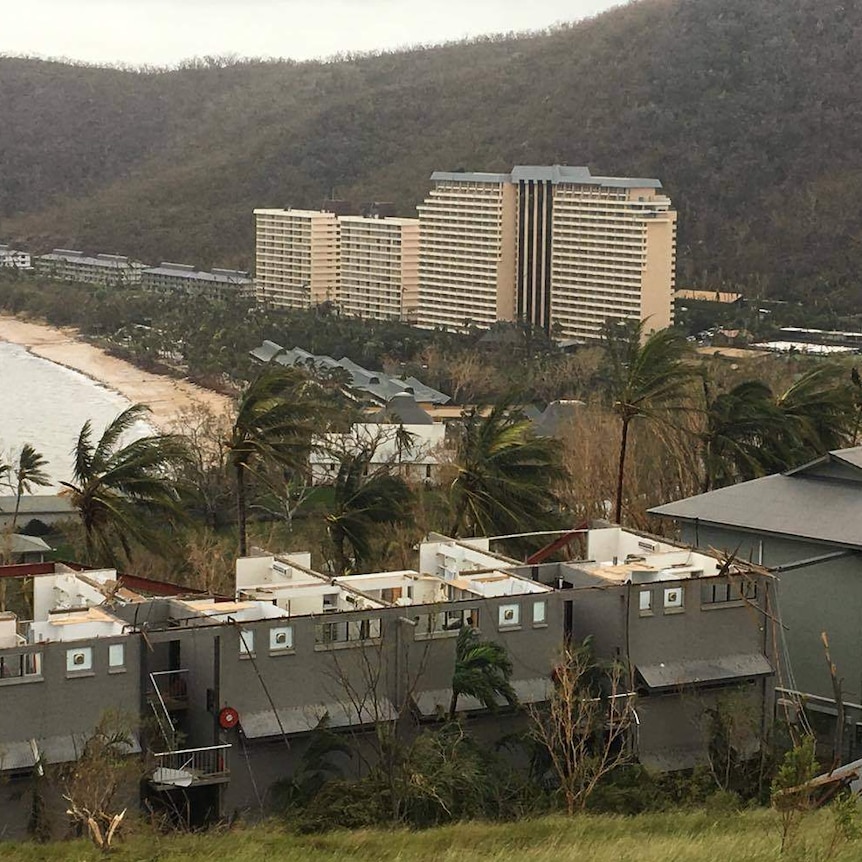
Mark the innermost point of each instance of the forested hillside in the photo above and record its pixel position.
(748, 110)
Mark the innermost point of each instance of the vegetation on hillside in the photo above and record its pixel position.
(684, 836)
(741, 107)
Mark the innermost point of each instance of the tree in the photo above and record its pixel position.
(820, 412)
(506, 475)
(648, 376)
(584, 725)
(26, 472)
(482, 670)
(118, 491)
(364, 501)
(738, 428)
(274, 423)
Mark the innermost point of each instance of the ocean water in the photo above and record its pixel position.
(46, 405)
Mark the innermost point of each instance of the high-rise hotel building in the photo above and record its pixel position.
(367, 265)
(379, 267)
(550, 245)
(296, 257)
(467, 251)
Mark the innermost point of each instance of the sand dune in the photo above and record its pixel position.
(166, 396)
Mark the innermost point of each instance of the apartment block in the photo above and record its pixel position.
(184, 280)
(14, 258)
(108, 270)
(552, 246)
(379, 271)
(467, 251)
(232, 687)
(297, 257)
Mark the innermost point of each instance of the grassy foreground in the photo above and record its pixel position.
(726, 836)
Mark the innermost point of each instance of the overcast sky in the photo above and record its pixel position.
(162, 32)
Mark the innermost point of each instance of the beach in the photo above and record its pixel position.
(167, 397)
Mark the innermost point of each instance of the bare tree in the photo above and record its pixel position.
(585, 724)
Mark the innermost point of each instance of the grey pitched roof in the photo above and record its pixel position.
(402, 408)
(555, 417)
(808, 503)
(378, 385)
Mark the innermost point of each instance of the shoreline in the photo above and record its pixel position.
(167, 397)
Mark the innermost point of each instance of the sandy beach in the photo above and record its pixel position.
(166, 396)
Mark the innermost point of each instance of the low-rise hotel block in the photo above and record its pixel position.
(108, 270)
(184, 280)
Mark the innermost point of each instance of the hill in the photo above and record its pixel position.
(746, 109)
(684, 836)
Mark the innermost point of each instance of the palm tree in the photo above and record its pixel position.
(119, 490)
(273, 425)
(648, 377)
(28, 472)
(820, 410)
(505, 475)
(482, 670)
(364, 502)
(736, 442)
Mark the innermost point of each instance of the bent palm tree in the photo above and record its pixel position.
(482, 670)
(363, 503)
(736, 439)
(506, 475)
(27, 472)
(647, 378)
(820, 410)
(115, 488)
(273, 425)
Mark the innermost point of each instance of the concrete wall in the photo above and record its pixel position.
(825, 596)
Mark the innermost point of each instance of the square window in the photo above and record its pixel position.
(116, 655)
(79, 659)
(246, 642)
(673, 597)
(539, 613)
(645, 601)
(281, 638)
(509, 615)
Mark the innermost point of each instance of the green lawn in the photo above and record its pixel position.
(724, 836)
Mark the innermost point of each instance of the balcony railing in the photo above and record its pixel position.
(192, 766)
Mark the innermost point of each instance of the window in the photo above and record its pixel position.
(281, 639)
(20, 666)
(508, 616)
(246, 643)
(540, 610)
(645, 602)
(347, 632)
(80, 659)
(724, 593)
(116, 656)
(446, 622)
(673, 598)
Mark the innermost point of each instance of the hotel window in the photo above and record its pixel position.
(246, 643)
(540, 613)
(80, 659)
(508, 616)
(281, 639)
(673, 598)
(116, 656)
(645, 602)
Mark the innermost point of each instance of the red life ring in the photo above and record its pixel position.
(228, 718)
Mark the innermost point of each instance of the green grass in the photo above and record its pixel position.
(725, 836)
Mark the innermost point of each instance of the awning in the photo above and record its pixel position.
(436, 701)
(671, 674)
(301, 719)
(52, 749)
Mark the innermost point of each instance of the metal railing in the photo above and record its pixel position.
(192, 765)
(172, 688)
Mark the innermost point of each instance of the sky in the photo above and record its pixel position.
(163, 32)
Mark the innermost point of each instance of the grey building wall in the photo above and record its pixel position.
(823, 597)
